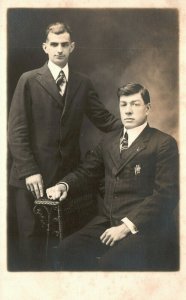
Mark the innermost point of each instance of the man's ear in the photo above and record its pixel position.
(72, 47)
(148, 108)
(44, 46)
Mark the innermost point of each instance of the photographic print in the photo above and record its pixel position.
(66, 137)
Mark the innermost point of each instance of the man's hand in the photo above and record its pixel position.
(114, 234)
(58, 191)
(35, 184)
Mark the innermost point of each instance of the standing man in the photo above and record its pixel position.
(44, 128)
(135, 230)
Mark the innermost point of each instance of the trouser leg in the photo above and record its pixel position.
(30, 245)
(81, 250)
(136, 253)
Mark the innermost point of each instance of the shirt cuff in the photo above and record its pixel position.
(130, 225)
(66, 184)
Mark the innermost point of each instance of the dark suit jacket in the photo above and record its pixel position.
(43, 137)
(142, 185)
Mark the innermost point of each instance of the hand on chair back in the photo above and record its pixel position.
(56, 192)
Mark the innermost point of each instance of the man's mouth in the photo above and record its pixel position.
(60, 56)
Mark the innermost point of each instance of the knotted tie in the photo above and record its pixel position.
(124, 142)
(60, 81)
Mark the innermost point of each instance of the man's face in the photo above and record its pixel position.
(133, 110)
(58, 47)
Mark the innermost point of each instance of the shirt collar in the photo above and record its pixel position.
(54, 69)
(133, 133)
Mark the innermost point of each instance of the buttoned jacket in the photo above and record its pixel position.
(141, 184)
(44, 134)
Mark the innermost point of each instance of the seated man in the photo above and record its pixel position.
(135, 230)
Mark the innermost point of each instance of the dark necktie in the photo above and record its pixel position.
(124, 142)
(60, 81)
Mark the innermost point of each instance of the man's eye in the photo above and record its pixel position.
(53, 44)
(65, 44)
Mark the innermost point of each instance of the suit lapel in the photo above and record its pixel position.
(133, 150)
(45, 78)
(114, 150)
(137, 146)
(72, 86)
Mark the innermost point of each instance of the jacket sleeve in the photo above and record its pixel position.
(88, 174)
(98, 114)
(19, 132)
(163, 200)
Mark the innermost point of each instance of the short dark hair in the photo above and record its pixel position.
(134, 88)
(58, 28)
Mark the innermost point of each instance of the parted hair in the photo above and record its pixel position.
(134, 88)
(58, 28)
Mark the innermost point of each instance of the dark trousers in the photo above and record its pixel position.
(30, 243)
(83, 250)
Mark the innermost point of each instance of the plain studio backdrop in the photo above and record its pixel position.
(113, 47)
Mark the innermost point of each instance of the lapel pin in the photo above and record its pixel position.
(137, 169)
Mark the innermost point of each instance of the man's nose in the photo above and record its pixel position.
(128, 109)
(60, 48)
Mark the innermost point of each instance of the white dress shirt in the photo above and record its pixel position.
(54, 69)
(133, 133)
